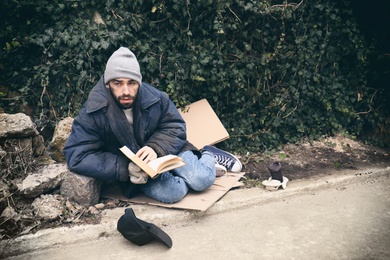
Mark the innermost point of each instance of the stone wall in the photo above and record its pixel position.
(30, 170)
(20, 143)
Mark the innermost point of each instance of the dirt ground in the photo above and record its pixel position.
(306, 160)
(319, 158)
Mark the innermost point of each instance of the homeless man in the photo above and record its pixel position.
(122, 110)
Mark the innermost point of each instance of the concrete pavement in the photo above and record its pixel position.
(341, 216)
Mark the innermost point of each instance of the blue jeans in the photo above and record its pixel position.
(172, 186)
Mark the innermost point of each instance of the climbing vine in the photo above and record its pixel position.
(274, 71)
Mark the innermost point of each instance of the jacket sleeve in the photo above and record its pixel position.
(85, 151)
(170, 135)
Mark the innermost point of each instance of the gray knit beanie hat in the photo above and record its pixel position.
(122, 64)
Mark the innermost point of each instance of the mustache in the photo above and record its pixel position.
(126, 96)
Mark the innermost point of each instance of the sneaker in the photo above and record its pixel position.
(228, 160)
(219, 170)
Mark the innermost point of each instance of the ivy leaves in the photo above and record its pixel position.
(274, 71)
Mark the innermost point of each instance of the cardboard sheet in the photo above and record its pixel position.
(193, 201)
(203, 125)
(203, 128)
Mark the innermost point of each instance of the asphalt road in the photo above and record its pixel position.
(348, 221)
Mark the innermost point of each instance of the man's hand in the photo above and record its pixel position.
(146, 154)
(137, 175)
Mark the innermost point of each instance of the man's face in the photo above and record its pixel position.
(124, 91)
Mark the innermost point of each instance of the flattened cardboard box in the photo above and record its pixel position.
(203, 125)
(203, 128)
(201, 201)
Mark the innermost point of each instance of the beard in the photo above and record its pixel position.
(125, 101)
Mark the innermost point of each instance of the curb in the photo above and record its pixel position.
(168, 218)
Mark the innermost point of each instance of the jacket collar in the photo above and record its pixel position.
(98, 97)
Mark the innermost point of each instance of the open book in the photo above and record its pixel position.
(157, 166)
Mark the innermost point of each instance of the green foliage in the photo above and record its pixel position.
(274, 71)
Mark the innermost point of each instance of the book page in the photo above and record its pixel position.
(143, 165)
(159, 165)
(166, 163)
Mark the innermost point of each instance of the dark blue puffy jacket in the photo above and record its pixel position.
(101, 128)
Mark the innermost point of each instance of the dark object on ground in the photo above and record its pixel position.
(141, 232)
(275, 169)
